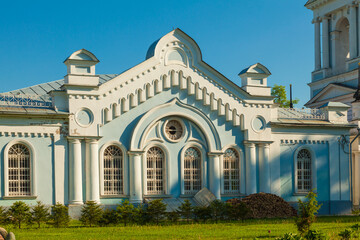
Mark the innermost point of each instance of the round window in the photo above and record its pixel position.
(84, 117)
(173, 130)
(259, 124)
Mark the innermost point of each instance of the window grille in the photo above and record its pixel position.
(231, 171)
(19, 170)
(192, 171)
(155, 171)
(113, 171)
(304, 174)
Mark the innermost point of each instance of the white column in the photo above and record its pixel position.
(75, 166)
(325, 42)
(250, 168)
(214, 178)
(264, 168)
(136, 188)
(317, 45)
(353, 33)
(92, 173)
(356, 178)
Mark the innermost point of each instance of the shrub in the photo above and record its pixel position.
(186, 210)
(315, 235)
(307, 213)
(125, 211)
(109, 216)
(91, 213)
(238, 211)
(347, 234)
(4, 215)
(40, 213)
(218, 210)
(173, 216)
(290, 236)
(140, 215)
(202, 213)
(156, 210)
(356, 227)
(19, 212)
(60, 215)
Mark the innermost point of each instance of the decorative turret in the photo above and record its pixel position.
(254, 80)
(81, 69)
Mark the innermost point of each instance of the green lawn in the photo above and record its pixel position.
(235, 230)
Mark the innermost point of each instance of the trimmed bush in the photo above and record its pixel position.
(91, 213)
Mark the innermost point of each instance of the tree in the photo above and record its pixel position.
(109, 216)
(279, 92)
(156, 210)
(218, 210)
(141, 215)
(91, 213)
(4, 215)
(40, 213)
(125, 211)
(60, 215)
(19, 212)
(202, 213)
(307, 213)
(186, 210)
(238, 211)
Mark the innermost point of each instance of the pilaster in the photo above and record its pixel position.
(75, 166)
(352, 32)
(215, 176)
(250, 155)
(264, 168)
(316, 23)
(136, 187)
(325, 42)
(92, 166)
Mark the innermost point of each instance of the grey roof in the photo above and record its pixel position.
(335, 104)
(45, 88)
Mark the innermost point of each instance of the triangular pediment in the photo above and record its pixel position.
(331, 91)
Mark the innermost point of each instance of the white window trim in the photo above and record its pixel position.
(313, 170)
(241, 170)
(125, 169)
(32, 168)
(203, 164)
(166, 168)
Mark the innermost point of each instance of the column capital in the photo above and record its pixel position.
(73, 139)
(92, 140)
(215, 154)
(325, 17)
(264, 144)
(316, 20)
(135, 152)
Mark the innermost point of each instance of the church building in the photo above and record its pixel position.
(168, 128)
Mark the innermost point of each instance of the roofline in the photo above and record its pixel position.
(317, 125)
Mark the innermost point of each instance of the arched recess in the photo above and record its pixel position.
(342, 44)
(175, 108)
(31, 149)
(125, 166)
(313, 168)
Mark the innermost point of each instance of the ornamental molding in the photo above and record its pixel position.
(301, 141)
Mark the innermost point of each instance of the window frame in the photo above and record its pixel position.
(32, 169)
(165, 170)
(125, 170)
(203, 165)
(313, 171)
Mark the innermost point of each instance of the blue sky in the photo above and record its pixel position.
(37, 36)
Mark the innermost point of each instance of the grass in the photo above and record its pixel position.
(250, 229)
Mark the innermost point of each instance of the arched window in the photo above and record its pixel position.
(19, 170)
(113, 171)
(155, 160)
(304, 173)
(231, 171)
(192, 171)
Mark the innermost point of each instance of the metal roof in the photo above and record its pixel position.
(45, 88)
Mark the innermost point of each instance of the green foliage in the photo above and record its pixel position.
(19, 212)
(348, 234)
(60, 215)
(91, 213)
(156, 210)
(315, 235)
(202, 213)
(238, 211)
(141, 216)
(173, 216)
(218, 210)
(186, 210)
(109, 217)
(4, 215)
(355, 227)
(40, 213)
(126, 211)
(279, 92)
(307, 213)
(290, 236)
